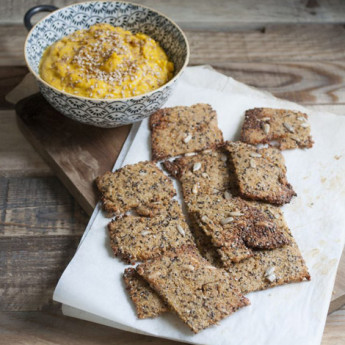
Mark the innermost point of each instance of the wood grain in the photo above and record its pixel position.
(77, 153)
(223, 15)
(302, 82)
(275, 43)
(54, 329)
(40, 228)
(9, 78)
(38, 207)
(338, 296)
(334, 330)
(31, 269)
(17, 156)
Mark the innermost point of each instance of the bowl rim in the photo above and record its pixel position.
(109, 100)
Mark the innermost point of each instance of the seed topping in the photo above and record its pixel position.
(196, 166)
(255, 155)
(190, 154)
(187, 139)
(227, 220)
(227, 195)
(195, 189)
(289, 127)
(180, 230)
(266, 128)
(304, 125)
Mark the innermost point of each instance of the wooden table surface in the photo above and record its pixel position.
(294, 49)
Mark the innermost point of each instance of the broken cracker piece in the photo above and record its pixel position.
(269, 268)
(147, 303)
(199, 293)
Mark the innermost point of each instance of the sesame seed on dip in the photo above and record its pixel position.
(106, 62)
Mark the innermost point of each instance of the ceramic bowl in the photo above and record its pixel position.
(132, 17)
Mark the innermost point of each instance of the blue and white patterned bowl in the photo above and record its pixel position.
(133, 17)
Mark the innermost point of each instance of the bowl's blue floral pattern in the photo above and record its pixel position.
(106, 113)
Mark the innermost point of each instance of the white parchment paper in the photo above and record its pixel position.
(91, 286)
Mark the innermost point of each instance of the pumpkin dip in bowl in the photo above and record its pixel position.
(105, 88)
(106, 62)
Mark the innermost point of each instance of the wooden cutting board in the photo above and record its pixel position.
(79, 153)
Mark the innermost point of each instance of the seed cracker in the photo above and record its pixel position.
(289, 129)
(260, 173)
(204, 173)
(133, 186)
(199, 293)
(179, 130)
(138, 238)
(147, 303)
(269, 268)
(266, 268)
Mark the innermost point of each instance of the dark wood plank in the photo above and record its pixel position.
(77, 153)
(40, 228)
(54, 329)
(38, 207)
(223, 16)
(31, 267)
(9, 78)
(50, 327)
(17, 156)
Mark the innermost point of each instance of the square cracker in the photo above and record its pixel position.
(288, 128)
(133, 186)
(199, 293)
(138, 238)
(147, 303)
(235, 227)
(260, 173)
(204, 173)
(178, 130)
(269, 268)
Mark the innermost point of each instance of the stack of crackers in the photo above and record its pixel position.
(232, 239)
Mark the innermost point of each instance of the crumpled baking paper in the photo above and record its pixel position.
(91, 287)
